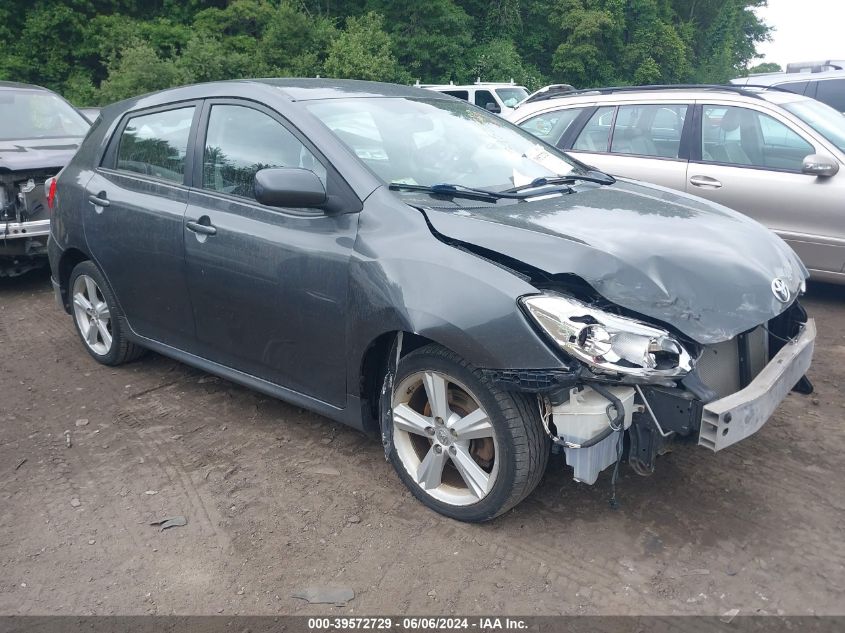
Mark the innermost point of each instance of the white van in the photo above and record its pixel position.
(494, 97)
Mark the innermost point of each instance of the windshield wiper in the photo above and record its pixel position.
(448, 189)
(597, 177)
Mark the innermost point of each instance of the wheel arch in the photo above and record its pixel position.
(69, 260)
(374, 365)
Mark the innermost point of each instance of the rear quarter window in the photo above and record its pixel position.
(551, 126)
(798, 87)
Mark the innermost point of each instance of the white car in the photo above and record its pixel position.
(499, 98)
(770, 154)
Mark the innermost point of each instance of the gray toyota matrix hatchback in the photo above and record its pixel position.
(413, 266)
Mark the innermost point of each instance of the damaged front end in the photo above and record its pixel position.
(674, 319)
(633, 388)
(24, 220)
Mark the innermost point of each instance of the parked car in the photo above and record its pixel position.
(39, 132)
(546, 92)
(405, 263)
(90, 113)
(772, 155)
(826, 86)
(815, 66)
(494, 97)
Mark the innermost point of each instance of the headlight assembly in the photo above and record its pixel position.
(607, 342)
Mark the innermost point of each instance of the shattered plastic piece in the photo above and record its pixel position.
(325, 595)
(177, 521)
(82, 422)
(151, 492)
(728, 616)
(75, 503)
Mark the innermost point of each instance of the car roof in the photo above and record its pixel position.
(16, 85)
(290, 89)
(311, 89)
(656, 94)
(481, 86)
(773, 79)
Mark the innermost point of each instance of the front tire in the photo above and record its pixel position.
(464, 447)
(97, 317)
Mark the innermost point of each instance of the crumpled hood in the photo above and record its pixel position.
(697, 266)
(48, 153)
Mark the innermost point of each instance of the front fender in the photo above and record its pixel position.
(402, 278)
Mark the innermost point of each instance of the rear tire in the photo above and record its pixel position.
(464, 447)
(99, 322)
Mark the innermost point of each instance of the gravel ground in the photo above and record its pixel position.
(278, 500)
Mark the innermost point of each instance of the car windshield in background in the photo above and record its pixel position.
(511, 96)
(435, 141)
(28, 114)
(822, 118)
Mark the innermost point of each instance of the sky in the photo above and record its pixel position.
(805, 30)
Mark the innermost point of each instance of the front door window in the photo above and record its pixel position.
(743, 137)
(241, 141)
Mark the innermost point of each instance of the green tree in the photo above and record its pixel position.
(296, 44)
(105, 49)
(499, 60)
(362, 51)
(723, 35)
(136, 70)
(43, 50)
(765, 67)
(432, 37)
(591, 33)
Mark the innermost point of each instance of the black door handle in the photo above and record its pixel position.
(98, 202)
(202, 229)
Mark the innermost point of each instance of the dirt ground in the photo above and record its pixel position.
(278, 500)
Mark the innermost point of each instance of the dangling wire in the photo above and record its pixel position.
(619, 446)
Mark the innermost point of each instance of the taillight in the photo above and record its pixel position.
(50, 185)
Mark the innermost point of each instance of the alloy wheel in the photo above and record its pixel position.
(444, 438)
(92, 315)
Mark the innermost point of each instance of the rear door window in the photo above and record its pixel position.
(156, 144)
(595, 137)
(832, 92)
(649, 130)
(551, 126)
(241, 141)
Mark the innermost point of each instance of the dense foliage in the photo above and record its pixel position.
(96, 51)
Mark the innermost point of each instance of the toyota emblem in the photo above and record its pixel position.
(780, 290)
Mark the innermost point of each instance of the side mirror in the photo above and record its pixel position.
(493, 107)
(820, 165)
(289, 187)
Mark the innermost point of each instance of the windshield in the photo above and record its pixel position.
(822, 118)
(28, 114)
(434, 141)
(511, 96)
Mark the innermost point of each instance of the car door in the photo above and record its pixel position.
(268, 285)
(751, 161)
(485, 99)
(134, 216)
(643, 141)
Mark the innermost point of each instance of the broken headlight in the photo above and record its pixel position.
(607, 342)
